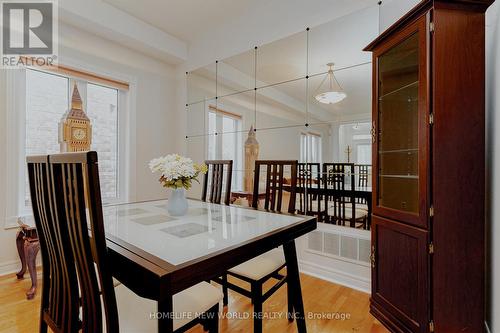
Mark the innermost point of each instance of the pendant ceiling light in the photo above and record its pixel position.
(331, 92)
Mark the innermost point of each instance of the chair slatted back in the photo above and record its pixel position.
(77, 196)
(274, 184)
(59, 299)
(336, 206)
(216, 175)
(336, 174)
(362, 172)
(309, 176)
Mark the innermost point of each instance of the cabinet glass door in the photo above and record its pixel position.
(400, 120)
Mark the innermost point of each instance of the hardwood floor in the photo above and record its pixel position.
(321, 299)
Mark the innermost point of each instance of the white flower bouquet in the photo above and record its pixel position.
(177, 171)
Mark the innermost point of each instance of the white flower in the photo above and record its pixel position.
(174, 167)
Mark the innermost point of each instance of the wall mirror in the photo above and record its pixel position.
(275, 94)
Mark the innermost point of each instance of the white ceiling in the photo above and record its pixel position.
(184, 19)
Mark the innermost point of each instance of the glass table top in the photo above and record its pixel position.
(205, 229)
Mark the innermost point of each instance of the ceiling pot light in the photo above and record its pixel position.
(331, 92)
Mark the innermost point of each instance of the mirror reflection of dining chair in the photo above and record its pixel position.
(341, 208)
(362, 174)
(308, 179)
(93, 303)
(213, 181)
(268, 266)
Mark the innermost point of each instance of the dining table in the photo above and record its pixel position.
(157, 255)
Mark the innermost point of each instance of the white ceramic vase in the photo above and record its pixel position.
(177, 204)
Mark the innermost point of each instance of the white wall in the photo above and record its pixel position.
(493, 165)
(152, 115)
(392, 10)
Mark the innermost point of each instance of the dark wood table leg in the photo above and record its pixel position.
(20, 249)
(31, 250)
(293, 281)
(165, 312)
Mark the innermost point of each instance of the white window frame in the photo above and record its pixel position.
(305, 149)
(364, 144)
(238, 162)
(15, 208)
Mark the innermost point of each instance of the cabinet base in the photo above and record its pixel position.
(388, 320)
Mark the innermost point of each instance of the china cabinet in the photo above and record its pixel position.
(429, 169)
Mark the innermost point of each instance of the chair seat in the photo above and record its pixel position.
(313, 206)
(358, 206)
(359, 213)
(137, 314)
(261, 266)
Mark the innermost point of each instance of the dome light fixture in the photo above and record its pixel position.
(333, 92)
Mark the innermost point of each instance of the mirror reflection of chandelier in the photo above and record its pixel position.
(331, 92)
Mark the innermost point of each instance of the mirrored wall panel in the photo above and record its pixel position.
(304, 98)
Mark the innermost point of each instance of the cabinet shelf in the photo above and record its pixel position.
(392, 151)
(413, 84)
(399, 176)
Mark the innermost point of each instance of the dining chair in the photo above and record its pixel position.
(214, 179)
(76, 207)
(267, 266)
(340, 209)
(362, 172)
(59, 307)
(309, 177)
(212, 192)
(337, 175)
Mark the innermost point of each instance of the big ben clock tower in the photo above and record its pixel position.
(75, 128)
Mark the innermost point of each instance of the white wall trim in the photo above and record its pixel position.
(10, 267)
(335, 276)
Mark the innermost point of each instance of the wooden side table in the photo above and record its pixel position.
(28, 247)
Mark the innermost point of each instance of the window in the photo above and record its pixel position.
(356, 137)
(102, 109)
(310, 148)
(364, 154)
(227, 144)
(47, 99)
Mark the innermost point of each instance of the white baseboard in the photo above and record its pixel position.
(13, 266)
(335, 276)
(10, 267)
